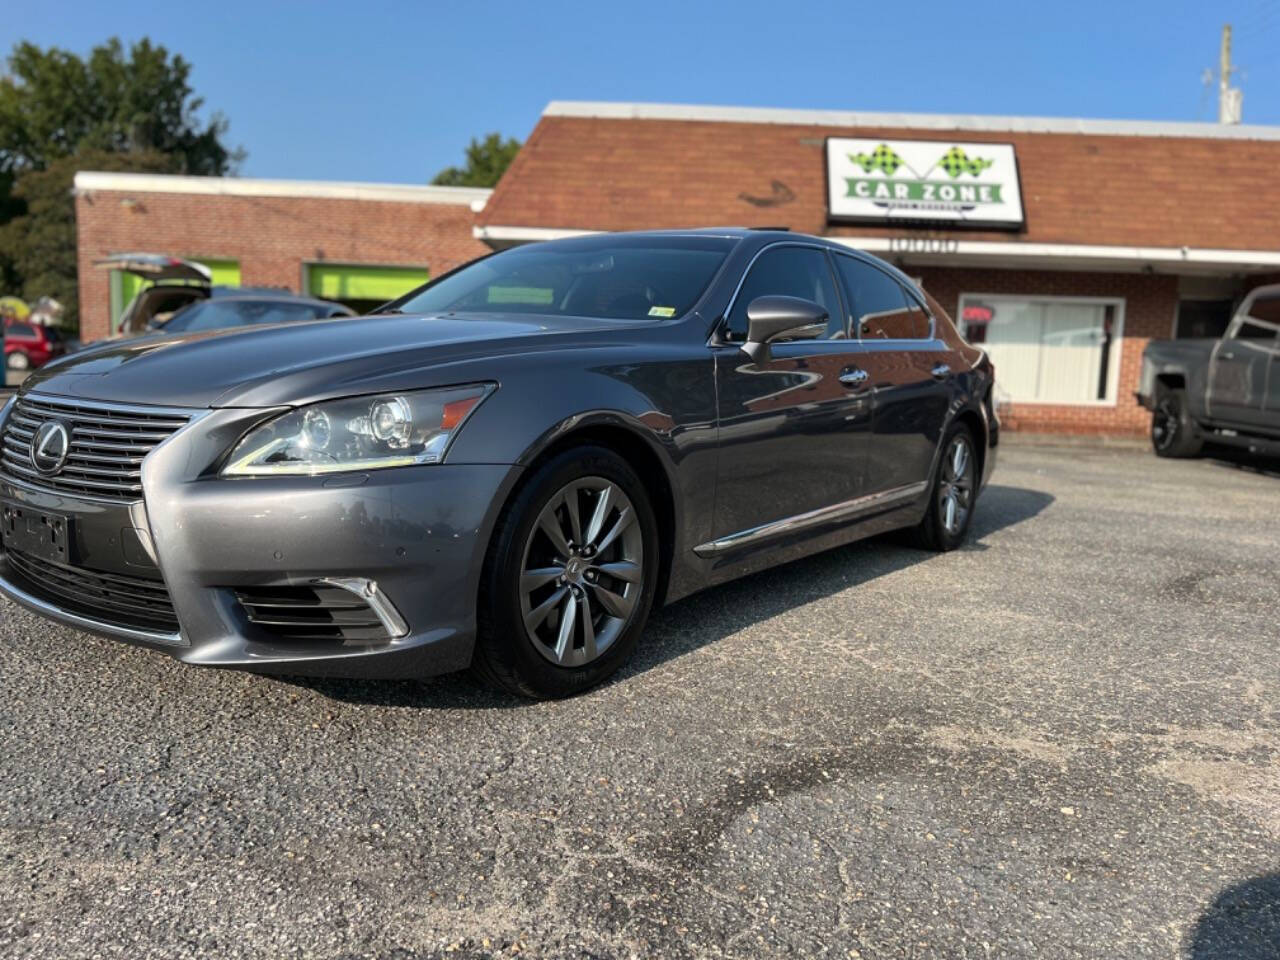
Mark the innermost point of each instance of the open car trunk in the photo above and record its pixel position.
(172, 284)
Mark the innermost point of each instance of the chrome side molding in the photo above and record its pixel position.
(803, 521)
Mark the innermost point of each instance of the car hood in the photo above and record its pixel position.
(302, 362)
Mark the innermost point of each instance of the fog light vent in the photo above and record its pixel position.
(312, 612)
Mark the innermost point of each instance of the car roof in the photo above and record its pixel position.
(760, 236)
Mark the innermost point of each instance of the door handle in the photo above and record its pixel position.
(941, 370)
(854, 377)
(1228, 356)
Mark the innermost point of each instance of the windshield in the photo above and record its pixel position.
(611, 277)
(217, 314)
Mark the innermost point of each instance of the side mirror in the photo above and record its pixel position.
(773, 318)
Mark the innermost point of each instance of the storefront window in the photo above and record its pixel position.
(1045, 349)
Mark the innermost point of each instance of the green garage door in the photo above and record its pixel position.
(362, 288)
(226, 273)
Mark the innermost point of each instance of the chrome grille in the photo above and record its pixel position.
(108, 442)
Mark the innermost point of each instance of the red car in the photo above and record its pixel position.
(28, 345)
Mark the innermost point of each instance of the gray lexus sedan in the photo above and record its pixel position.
(506, 469)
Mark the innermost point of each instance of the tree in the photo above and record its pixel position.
(111, 111)
(40, 246)
(53, 104)
(487, 160)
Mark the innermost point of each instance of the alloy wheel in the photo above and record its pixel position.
(582, 572)
(955, 489)
(1164, 424)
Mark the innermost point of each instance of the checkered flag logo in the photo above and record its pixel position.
(955, 162)
(882, 158)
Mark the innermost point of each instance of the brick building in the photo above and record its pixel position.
(1110, 232)
(1061, 246)
(361, 243)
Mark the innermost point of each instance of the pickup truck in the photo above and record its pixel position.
(1224, 391)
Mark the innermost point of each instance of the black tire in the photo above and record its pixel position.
(507, 655)
(1174, 433)
(933, 532)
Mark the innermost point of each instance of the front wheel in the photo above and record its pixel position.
(18, 361)
(953, 495)
(569, 579)
(1174, 433)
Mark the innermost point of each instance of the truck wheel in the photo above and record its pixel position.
(1174, 433)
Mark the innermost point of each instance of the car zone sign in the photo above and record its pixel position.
(923, 181)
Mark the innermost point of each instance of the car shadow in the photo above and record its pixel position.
(1242, 923)
(1233, 458)
(713, 614)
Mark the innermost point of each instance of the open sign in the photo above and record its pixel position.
(977, 314)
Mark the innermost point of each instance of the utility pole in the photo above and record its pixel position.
(1230, 99)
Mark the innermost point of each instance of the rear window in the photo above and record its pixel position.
(610, 277)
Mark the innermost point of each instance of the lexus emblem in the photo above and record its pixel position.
(50, 447)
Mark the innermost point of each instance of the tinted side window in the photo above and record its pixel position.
(917, 317)
(880, 307)
(1255, 331)
(1266, 308)
(789, 272)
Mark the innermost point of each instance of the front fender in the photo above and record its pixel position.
(664, 402)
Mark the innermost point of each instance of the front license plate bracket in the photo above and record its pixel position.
(46, 536)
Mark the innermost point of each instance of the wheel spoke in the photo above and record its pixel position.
(621, 570)
(531, 580)
(588, 628)
(600, 514)
(535, 617)
(575, 518)
(949, 520)
(625, 519)
(960, 461)
(615, 604)
(568, 619)
(549, 524)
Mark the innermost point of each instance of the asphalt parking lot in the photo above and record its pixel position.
(1061, 741)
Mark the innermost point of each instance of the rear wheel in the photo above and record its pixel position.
(18, 361)
(570, 577)
(1173, 431)
(953, 496)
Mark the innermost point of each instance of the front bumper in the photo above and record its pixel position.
(420, 533)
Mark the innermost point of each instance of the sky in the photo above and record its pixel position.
(392, 92)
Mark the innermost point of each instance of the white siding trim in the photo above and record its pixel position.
(86, 181)
(1061, 256)
(514, 235)
(943, 123)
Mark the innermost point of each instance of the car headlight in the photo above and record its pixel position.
(362, 433)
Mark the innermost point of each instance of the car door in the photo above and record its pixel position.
(1264, 308)
(792, 432)
(908, 374)
(1239, 369)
